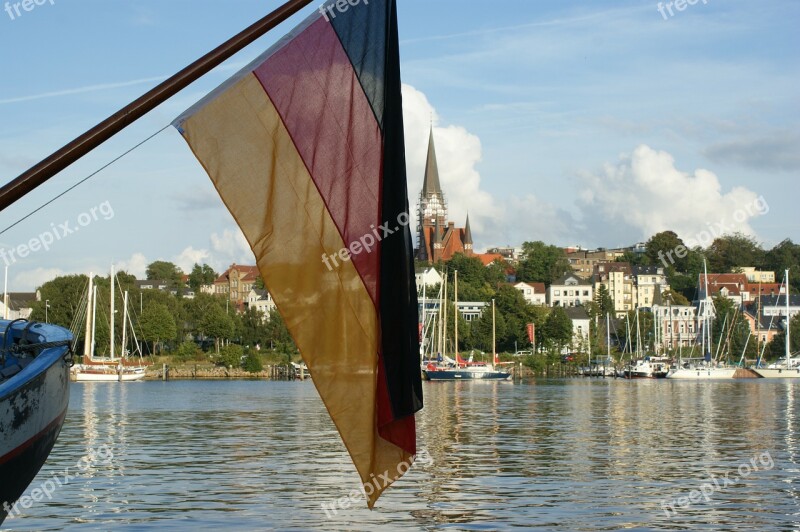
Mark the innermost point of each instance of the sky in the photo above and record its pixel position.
(594, 123)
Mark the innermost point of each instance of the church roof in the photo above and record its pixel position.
(431, 183)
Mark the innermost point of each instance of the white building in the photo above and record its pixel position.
(676, 326)
(534, 293)
(20, 305)
(570, 291)
(428, 277)
(648, 282)
(261, 300)
(580, 327)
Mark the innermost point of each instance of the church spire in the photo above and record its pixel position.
(431, 184)
(467, 233)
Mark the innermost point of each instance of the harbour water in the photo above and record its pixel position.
(575, 454)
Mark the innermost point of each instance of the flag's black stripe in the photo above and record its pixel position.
(362, 32)
(398, 291)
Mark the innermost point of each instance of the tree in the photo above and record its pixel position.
(231, 355)
(157, 324)
(164, 271)
(558, 328)
(187, 351)
(201, 275)
(603, 303)
(784, 256)
(668, 250)
(252, 363)
(777, 347)
(730, 252)
(671, 297)
(278, 334)
(66, 297)
(541, 263)
(217, 324)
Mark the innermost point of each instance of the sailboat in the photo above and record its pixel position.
(460, 369)
(109, 369)
(34, 394)
(708, 368)
(787, 367)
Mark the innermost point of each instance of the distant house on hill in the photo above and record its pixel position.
(569, 291)
(236, 282)
(534, 293)
(20, 305)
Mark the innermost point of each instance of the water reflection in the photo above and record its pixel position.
(561, 455)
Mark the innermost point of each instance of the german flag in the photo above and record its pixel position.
(305, 147)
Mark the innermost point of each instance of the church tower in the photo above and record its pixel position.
(432, 213)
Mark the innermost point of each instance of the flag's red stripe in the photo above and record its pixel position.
(313, 86)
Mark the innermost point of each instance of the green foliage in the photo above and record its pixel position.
(785, 255)
(230, 356)
(217, 324)
(729, 252)
(278, 335)
(63, 295)
(157, 324)
(252, 364)
(777, 347)
(166, 271)
(674, 298)
(542, 263)
(603, 303)
(187, 351)
(558, 328)
(201, 275)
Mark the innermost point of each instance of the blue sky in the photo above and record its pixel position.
(594, 123)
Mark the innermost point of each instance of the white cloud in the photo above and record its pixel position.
(136, 265)
(457, 152)
(32, 279)
(644, 193)
(191, 256)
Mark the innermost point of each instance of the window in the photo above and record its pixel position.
(586, 292)
(556, 292)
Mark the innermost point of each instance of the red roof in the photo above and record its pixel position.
(488, 258)
(246, 273)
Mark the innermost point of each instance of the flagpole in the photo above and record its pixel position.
(61, 159)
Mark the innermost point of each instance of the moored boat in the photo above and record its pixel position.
(34, 394)
(787, 367)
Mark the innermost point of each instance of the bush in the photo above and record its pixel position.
(252, 363)
(186, 351)
(231, 355)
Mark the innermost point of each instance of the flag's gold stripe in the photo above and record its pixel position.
(245, 148)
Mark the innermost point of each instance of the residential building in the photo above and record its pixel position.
(509, 254)
(428, 276)
(676, 326)
(756, 276)
(152, 284)
(649, 283)
(262, 301)
(617, 278)
(583, 261)
(580, 327)
(471, 310)
(534, 293)
(763, 328)
(569, 291)
(438, 239)
(734, 286)
(236, 282)
(776, 305)
(20, 305)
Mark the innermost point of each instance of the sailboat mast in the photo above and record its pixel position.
(111, 349)
(455, 312)
(424, 302)
(87, 343)
(494, 338)
(788, 349)
(608, 335)
(124, 325)
(444, 317)
(94, 316)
